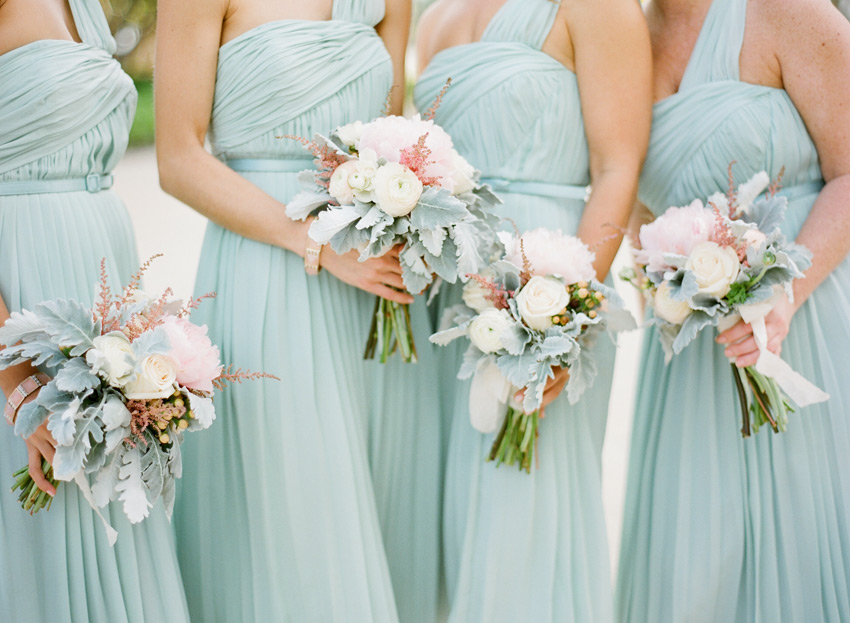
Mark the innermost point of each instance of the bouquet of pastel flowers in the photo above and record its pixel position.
(536, 308)
(131, 375)
(397, 181)
(713, 265)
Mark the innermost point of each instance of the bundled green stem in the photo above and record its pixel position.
(517, 439)
(762, 399)
(32, 498)
(392, 331)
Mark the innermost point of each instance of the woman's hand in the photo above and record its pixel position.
(554, 387)
(40, 444)
(380, 275)
(742, 344)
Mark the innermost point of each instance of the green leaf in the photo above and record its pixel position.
(305, 203)
(76, 377)
(69, 323)
(466, 237)
(437, 208)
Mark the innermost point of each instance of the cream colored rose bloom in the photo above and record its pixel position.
(714, 267)
(349, 134)
(754, 238)
(155, 380)
(462, 175)
(396, 189)
(540, 299)
(112, 358)
(485, 332)
(338, 186)
(667, 308)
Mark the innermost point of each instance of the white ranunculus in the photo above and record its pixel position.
(754, 238)
(668, 309)
(156, 379)
(396, 189)
(338, 187)
(462, 175)
(486, 330)
(361, 180)
(349, 134)
(474, 294)
(112, 358)
(540, 299)
(714, 267)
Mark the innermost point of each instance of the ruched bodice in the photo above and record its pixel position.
(535, 98)
(715, 119)
(298, 77)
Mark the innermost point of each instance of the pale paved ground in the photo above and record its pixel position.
(164, 225)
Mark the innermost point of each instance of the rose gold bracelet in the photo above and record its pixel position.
(28, 386)
(312, 254)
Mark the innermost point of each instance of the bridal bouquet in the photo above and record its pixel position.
(397, 181)
(130, 376)
(711, 266)
(537, 308)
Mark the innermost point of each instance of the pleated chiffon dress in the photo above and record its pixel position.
(65, 114)
(717, 527)
(518, 546)
(279, 522)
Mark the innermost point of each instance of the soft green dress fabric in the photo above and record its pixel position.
(720, 528)
(65, 113)
(277, 518)
(517, 546)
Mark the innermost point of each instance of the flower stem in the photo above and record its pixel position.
(742, 400)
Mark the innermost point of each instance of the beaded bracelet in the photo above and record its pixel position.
(28, 386)
(312, 255)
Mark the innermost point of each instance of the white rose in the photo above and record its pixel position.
(396, 189)
(486, 330)
(714, 267)
(349, 134)
(754, 238)
(338, 186)
(362, 179)
(540, 299)
(462, 175)
(474, 295)
(667, 308)
(155, 380)
(112, 358)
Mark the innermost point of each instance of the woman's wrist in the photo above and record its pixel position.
(10, 378)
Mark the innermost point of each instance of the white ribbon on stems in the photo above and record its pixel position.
(488, 397)
(794, 385)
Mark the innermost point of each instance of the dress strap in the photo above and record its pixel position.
(522, 21)
(92, 25)
(717, 53)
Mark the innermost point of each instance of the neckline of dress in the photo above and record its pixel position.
(462, 46)
(714, 85)
(47, 42)
(282, 22)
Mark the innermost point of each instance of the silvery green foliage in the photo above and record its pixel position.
(445, 235)
(89, 418)
(528, 355)
(776, 262)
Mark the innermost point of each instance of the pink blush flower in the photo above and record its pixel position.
(551, 252)
(198, 360)
(676, 231)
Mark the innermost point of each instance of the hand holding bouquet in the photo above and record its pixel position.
(536, 309)
(397, 181)
(130, 376)
(712, 266)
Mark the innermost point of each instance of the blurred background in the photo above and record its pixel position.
(164, 225)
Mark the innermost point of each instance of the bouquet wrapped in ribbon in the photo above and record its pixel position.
(537, 308)
(713, 265)
(397, 181)
(130, 376)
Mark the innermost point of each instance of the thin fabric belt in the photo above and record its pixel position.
(539, 189)
(92, 183)
(800, 190)
(270, 165)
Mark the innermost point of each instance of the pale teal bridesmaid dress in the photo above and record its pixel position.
(65, 113)
(277, 518)
(719, 528)
(518, 546)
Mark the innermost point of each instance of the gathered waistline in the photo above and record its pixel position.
(92, 183)
(540, 189)
(270, 165)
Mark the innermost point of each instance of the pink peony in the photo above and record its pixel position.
(676, 231)
(551, 253)
(198, 360)
(389, 136)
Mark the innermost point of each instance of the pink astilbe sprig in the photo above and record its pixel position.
(388, 104)
(229, 375)
(193, 304)
(151, 318)
(776, 184)
(417, 158)
(492, 292)
(135, 280)
(731, 194)
(327, 159)
(429, 114)
(722, 234)
(103, 305)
